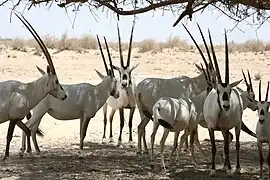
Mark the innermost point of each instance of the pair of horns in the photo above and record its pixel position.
(213, 54)
(39, 41)
(249, 85)
(103, 57)
(129, 47)
(206, 76)
(260, 91)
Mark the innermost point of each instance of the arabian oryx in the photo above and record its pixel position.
(150, 90)
(262, 128)
(125, 85)
(223, 110)
(83, 101)
(176, 115)
(18, 98)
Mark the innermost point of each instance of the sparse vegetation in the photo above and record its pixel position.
(257, 76)
(87, 42)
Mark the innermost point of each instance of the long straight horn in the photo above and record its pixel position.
(245, 78)
(260, 91)
(267, 90)
(215, 58)
(206, 47)
(250, 82)
(204, 73)
(130, 45)
(227, 70)
(109, 54)
(39, 41)
(198, 47)
(103, 58)
(120, 47)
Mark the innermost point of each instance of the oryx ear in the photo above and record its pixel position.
(240, 90)
(48, 69)
(99, 74)
(116, 68)
(236, 83)
(40, 70)
(134, 67)
(198, 67)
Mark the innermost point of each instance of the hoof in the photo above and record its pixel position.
(21, 154)
(238, 171)
(81, 154)
(111, 140)
(103, 140)
(131, 144)
(224, 169)
(230, 174)
(119, 144)
(145, 153)
(212, 173)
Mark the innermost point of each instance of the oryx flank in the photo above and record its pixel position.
(83, 101)
(223, 110)
(262, 128)
(125, 85)
(18, 98)
(177, 115)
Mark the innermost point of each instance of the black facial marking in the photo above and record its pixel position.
(261, 112)
(124, 77)
(225, 96)
(224, 85)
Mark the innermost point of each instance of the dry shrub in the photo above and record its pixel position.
(176, 42)
(147, 45)
(88, 41)
(267, 46)
(253, 45)
(257, 76)
(18, 44)
(63, 43)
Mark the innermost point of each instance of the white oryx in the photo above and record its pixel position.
(176, 115)
(18, 98)
(125, 85)
(149, 90)
(223, 110)
(83, 101)
(262, 128)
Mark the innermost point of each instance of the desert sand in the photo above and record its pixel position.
(106, 161)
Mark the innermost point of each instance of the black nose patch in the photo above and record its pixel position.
(261, 112)
(225, 96)
(124, 77)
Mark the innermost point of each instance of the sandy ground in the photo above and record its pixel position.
(106, 161)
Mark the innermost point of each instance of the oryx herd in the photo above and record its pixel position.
(177, 104)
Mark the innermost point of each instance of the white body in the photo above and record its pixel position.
(83, 101)
(182, 114)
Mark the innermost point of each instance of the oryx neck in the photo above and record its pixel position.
(104, 89)
(37, 90)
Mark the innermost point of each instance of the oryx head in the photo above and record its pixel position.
(52, 85)
(125, 70)
(249, 94)
(263, 106)
(114, 92)
(223, 89)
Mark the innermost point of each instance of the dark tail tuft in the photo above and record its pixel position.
(247, 130)
(28, 115)
(40, 133)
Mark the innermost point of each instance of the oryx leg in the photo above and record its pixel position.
(111, 120)
(175, 144)
(26, 130)
(33, 124)
(227, 163)
(162, 143)
(141, 134)
(11, 128)
(182, 139)
(153, 135)
(259, 144)
(198, 144)
(237, 144)
(186, 145)
(121, 113)
(104, 121)
(84, 127)
(214, 150)
(131, 113)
